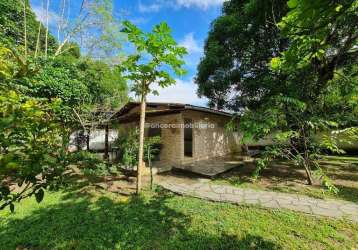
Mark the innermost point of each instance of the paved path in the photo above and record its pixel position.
(225, 193)
(213, 166)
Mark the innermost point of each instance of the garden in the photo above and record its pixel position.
(284, 70)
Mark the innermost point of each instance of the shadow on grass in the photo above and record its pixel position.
(275, 173)
(347, 193)
(139, 223)
(75, 181)
(287, 178)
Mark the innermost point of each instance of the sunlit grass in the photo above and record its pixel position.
(164, 221)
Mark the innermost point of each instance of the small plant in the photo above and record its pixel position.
(326, 181)
(128, 148)
(86, 159)
(113, 169)
(97, 170)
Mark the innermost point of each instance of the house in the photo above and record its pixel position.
(189, 134)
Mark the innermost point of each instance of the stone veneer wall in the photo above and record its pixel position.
(207, 143)
(210, 142)
(172, 143)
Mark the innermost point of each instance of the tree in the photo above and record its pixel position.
(95, 29)
(107, 87)
(234, 72)
(156, 55)
(302, 82)
(322, 43)
(32, 154)
(12, 27)
(39, 97)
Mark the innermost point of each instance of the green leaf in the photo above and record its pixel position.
(275, 63)
(39, 195)
(292, 4)
(339, 7)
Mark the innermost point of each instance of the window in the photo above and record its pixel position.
(154, 132)
(188, 138)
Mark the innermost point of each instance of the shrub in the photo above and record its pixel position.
(128, 146)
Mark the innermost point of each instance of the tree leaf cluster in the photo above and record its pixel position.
(156, 54)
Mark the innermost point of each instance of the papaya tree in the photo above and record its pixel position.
(156, 59)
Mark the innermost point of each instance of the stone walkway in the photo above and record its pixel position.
(213, 166)
(225, 193)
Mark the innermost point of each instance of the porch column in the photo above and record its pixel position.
(106, 146)
(88, 139)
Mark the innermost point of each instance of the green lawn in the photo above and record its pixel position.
(284, 177)
(164, 221)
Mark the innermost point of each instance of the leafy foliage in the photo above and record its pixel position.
(31, 149)
(156, 53)
(293, 81)
(12, 26)
(78, 82)
(37, 98)
(129, 147)
(105, 84)
(234, 72)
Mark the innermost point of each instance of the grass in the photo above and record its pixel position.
(284, 177)
(77, 220)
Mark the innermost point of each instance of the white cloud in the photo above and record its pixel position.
(191, 44)
(181, 92)
(202, 4)
(177, 4)
(139, 20)
(154, 7)
(40, 13)
(194, 48)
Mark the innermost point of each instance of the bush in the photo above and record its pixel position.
(32, 152)
(86, 159)
(129, 147)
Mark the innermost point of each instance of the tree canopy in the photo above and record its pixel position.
(40, 92)
(12, 26)
(234, 72)
(287, 67)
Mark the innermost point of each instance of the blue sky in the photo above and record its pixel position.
(190, 22)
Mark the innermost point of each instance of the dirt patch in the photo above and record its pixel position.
(120, 183)
(286, 177)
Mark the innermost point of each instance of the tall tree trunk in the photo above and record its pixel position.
(38, 44)
(306, 158)
(308, 174)
(307, 165)
(38, 40)
(46, 35)
(150, 166)
(141, 144)
(25, 30)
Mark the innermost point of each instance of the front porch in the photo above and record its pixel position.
(213, 166)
